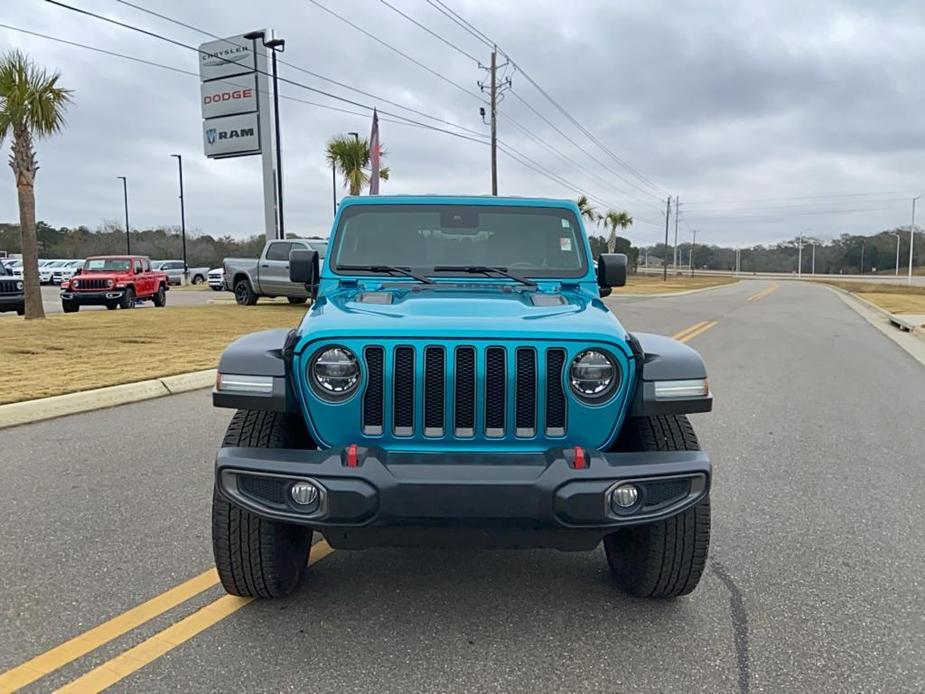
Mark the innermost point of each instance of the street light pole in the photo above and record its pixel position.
(898, 237)
(912, 235)
(128, 235)
(814, 256)
(690, 254)
(800, 256)
(182, 219)
(356, 136)
(273, 45)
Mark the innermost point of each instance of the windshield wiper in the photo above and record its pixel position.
(387, 268)
(485, 270)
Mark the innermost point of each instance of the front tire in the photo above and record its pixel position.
(296, 300)
(199, 279)
(256, 557)
(244, 294)
(128, 299)
(69, 306)
(664, 559)
(160, 298)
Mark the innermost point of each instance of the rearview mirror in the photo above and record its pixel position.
(611, 270)
(303, 266)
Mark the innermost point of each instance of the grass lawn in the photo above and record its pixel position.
(92, 349)
(895, 298)
(654, 284)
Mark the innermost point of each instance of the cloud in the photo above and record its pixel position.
(720, 101)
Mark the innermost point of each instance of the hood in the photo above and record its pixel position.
(478, 310)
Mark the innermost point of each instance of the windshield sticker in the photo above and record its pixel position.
(565, 224)
(565, 244)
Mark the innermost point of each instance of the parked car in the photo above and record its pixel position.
(16, 268)
(11, 292)
(217, 279)
(45, 267)
(459, 382)
(268, 275)
(69, 269)
(114, 281)
(174, 270)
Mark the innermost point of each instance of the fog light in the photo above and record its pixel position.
(623, 497)
(304, 494)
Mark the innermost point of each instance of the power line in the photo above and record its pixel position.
(632, 170)
(806, 205)
(797, 214)
(311, 73)
(801, 197)
(395, 119)
(396, 50)
(431, 32)
(578, 146)
(447, 12)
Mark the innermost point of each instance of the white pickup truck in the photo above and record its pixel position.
(268, 275)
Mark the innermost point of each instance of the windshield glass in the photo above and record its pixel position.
(531, 241)
(107, 265)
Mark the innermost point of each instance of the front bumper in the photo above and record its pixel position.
(93, 298)
(416, 499)
(12, 302)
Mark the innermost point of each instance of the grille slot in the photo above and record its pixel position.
(465, 391)
(373, 398)
(555, 397)
(434, 386)
(495, 401)
(525, 403)
(403, 392)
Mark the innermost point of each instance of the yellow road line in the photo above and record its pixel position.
(699, 331)
(79, 646)
(764, 292)
(680, 335)
(163, 642)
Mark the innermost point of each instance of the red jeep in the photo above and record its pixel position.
(114, 280)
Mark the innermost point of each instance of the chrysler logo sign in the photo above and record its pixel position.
(231, 54)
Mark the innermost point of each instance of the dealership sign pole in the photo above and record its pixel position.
(236, 121)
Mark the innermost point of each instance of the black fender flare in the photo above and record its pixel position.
(266, 354)
(661, 358)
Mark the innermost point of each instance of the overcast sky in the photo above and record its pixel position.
(743, 109)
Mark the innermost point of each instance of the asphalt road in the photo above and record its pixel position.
(814, 581)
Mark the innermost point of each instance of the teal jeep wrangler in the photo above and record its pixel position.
(457, 381)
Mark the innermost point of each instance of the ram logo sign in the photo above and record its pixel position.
(232, 136)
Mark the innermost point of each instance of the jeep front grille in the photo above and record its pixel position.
(470, 392)
(83, 283)
(9, 287)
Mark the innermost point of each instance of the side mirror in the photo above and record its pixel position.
(611, 270)
(77, 271)
(303, 266)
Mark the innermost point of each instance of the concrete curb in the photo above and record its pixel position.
(668, 294)
(17, 413)
(912, 343)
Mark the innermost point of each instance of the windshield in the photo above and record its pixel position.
(107, 265)
(531, 241)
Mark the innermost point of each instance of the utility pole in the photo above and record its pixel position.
(182, 219)
(690, 255)
(495, 95)
(677, 210)
(912, 235)
(128, 234)
(665, 261)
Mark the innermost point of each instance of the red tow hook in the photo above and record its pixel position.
(580, 463)
(352, 460)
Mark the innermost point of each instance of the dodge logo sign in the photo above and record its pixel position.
(225, 97)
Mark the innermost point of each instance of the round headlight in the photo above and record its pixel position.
(19, 286)
(334, 372)
(109, 283)
(592, 375)
(75, 283)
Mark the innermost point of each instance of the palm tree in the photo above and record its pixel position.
(31, 105)
(351, 157)
(587, 210)
(614, 219)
